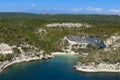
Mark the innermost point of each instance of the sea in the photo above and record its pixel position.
(58, 68)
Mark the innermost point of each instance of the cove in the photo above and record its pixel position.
(58, 68)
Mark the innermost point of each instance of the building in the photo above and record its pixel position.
(5, 49)
(84, 41)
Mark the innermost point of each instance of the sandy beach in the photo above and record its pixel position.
(62, 53)
(58, 53)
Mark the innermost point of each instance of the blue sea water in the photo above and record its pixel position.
(58, 68)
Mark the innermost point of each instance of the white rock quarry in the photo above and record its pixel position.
(69, 25)
(70, 46)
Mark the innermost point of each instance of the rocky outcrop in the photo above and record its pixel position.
(79, 46)
(102, 67)
(69, 25)
(26, 53)
(23, 58)
(106, 60)
(113, 43)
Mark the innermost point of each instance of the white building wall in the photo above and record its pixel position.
(5, 49)
(7, 52)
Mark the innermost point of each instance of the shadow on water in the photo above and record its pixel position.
(58, 68)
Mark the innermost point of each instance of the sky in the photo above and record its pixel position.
(61, 6)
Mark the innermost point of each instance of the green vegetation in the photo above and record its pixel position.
(18, 28)
(6, 57)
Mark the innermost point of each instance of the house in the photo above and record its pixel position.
(5, 49)
(84, 41)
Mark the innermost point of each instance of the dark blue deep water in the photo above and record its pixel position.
(58, 68)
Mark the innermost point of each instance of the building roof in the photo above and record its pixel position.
(4, 46)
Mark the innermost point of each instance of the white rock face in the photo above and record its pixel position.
(102, 67)
(41, 31)
(83, 45)
(71, 44)
(112, 39)
(22, 58)
(68, 25)
(113, 43)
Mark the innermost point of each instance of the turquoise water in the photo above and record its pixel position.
(58, 68)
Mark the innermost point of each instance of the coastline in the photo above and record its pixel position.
(6, 64)
(102, 67)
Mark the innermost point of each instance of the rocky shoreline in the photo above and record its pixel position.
(102, 67)
(24, 58)
(6, 64)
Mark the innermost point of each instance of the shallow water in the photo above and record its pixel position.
(58, 68)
